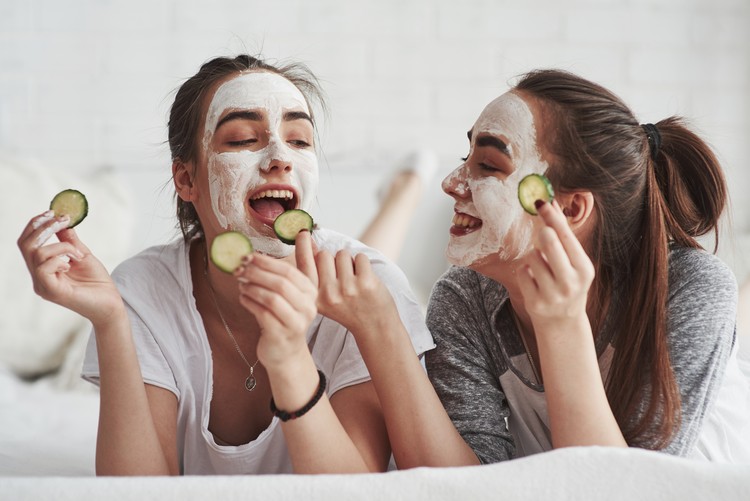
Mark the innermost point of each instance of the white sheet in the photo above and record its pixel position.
(45, 430)
(47, 441)
(574, 473)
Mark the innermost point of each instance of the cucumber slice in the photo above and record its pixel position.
(228, 248)
(71, 203)
(291, 222)
(532, 188)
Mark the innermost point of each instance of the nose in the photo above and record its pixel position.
(454, 183)
(278, 159)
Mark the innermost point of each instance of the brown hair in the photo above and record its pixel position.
(643, 205)
(186, 113)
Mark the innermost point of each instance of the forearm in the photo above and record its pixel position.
(579, 411)
(317, 442)
(127, 442)
(420, 431)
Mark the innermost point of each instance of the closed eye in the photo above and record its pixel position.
(299, 143)
(243, 142)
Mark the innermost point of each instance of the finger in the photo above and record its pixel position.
(527, 284)
(70, 235)
(548, 243)
(255, 263)
(262, 314)
(326, 268)
(540, 271)
(35, 223)
(362, 265)
(554, 218)
(344, 267)
(305, 256)
(63, 250)
(255, 276)
(42, 230)
(286, 313)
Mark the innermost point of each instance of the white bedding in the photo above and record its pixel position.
(47, 452)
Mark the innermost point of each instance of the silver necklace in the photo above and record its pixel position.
(525, 346)
(250, 381)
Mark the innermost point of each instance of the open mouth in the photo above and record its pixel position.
(464, 223)
(269, 201)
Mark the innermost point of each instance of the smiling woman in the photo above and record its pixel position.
(220, 373)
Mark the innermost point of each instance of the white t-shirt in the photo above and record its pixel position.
(174, 353)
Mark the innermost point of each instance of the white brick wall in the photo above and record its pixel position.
(89, 82)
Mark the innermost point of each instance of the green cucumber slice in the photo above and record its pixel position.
(291, 222)
(71, 203)
(532, 188)
(228, 249)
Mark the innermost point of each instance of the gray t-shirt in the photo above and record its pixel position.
(482, 374)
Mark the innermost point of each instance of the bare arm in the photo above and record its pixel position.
(68, 274)
(334, 436)
(420, 431)
(555, 282)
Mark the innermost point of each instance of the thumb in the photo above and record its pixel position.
(70, 236)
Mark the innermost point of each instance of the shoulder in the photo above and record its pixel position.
(701, 275)
(463, 297)
(702, 306)
(469, 287)
(153, 265)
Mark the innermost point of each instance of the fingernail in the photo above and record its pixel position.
(538, 204)
(243, 280)
(247, 258)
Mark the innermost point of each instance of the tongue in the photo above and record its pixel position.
(267, 207)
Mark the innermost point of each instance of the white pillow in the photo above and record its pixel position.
(35, 334)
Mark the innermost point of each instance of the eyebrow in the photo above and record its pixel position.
(256, 116)
(492, 141)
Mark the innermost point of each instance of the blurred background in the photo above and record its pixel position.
(86, 85)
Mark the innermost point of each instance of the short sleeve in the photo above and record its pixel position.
(154, 367)
(462, 369)
(701, 327)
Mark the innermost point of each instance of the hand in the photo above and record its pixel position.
(556, 275)
(67, 273)
(350, 292)
(282, 299)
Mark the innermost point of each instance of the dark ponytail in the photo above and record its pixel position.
(692, 182)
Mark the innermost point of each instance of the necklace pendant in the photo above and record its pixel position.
(250, 383)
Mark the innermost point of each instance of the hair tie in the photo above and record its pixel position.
(654, 139)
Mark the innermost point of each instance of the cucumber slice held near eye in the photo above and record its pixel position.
(70, 203)
(532, 188)
(291, 222)
(228, 249)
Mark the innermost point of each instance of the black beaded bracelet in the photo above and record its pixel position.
(286, 416)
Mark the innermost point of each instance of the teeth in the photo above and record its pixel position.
(465, 221)
(285, 194)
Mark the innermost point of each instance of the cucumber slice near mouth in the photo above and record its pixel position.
(70, 203)
(289, 223)
(532, 188)
(228, 249)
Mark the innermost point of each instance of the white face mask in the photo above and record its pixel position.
(506, 228)
(234, 176)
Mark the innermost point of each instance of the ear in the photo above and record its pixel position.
(182, 176)
(578, 207)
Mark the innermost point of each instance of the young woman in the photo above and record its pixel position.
(188, 357)
(601, 321)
